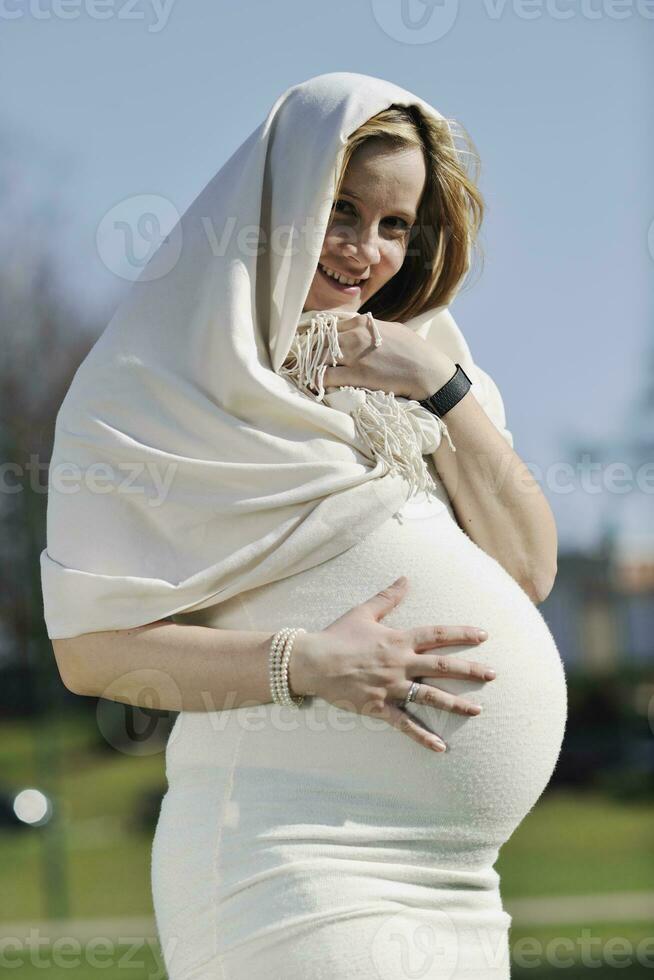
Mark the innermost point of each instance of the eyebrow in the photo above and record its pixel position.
(407, 214)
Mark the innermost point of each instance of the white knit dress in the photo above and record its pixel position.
(318, 844)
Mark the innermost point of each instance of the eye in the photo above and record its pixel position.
(402, 224)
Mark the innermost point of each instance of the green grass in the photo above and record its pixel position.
(569, 844)
(584, 935)
(108, 864)
(574, 843)
(606, 951)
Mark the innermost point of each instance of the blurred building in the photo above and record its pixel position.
(601, 609)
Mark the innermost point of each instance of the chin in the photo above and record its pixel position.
(339, 307)
(324, 305)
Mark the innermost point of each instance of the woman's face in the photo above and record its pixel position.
(368, 233)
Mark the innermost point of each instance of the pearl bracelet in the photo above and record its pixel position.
(281, 646)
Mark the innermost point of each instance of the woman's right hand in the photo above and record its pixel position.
(363, 666)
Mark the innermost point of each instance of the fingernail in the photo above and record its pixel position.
(489, 675)
(482, 634)
(439, 744)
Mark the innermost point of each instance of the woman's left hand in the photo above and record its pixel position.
(404, 363)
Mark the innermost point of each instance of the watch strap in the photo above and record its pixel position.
(447, 397)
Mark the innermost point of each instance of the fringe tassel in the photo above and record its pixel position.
(386, 429)
(445, 432)
(391, 432)
(304, 362)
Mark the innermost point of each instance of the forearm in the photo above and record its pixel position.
(172, 667)
(495, 498)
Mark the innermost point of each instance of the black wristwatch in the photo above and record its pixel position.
(446, 397)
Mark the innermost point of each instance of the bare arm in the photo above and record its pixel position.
(495, 498)
(356, 662)
(171, 666)
(497, 501)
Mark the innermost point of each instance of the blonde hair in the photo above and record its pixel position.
(449, 216)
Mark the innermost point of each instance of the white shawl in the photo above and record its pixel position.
(193, 459)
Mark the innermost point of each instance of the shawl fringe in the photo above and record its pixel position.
(389, 429)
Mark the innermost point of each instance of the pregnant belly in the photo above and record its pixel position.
(497, 763)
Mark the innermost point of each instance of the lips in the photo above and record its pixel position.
(340, 285)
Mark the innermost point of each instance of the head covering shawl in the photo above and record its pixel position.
(196, 453)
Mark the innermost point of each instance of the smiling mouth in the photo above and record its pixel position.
(331, 277)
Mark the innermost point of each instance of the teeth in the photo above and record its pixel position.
(342, 279)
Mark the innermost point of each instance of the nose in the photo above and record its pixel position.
(365, 248)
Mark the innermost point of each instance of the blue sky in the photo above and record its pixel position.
(116, 100)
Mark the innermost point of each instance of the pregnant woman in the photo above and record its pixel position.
(307, 507)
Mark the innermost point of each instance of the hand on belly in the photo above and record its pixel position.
(364, 666)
